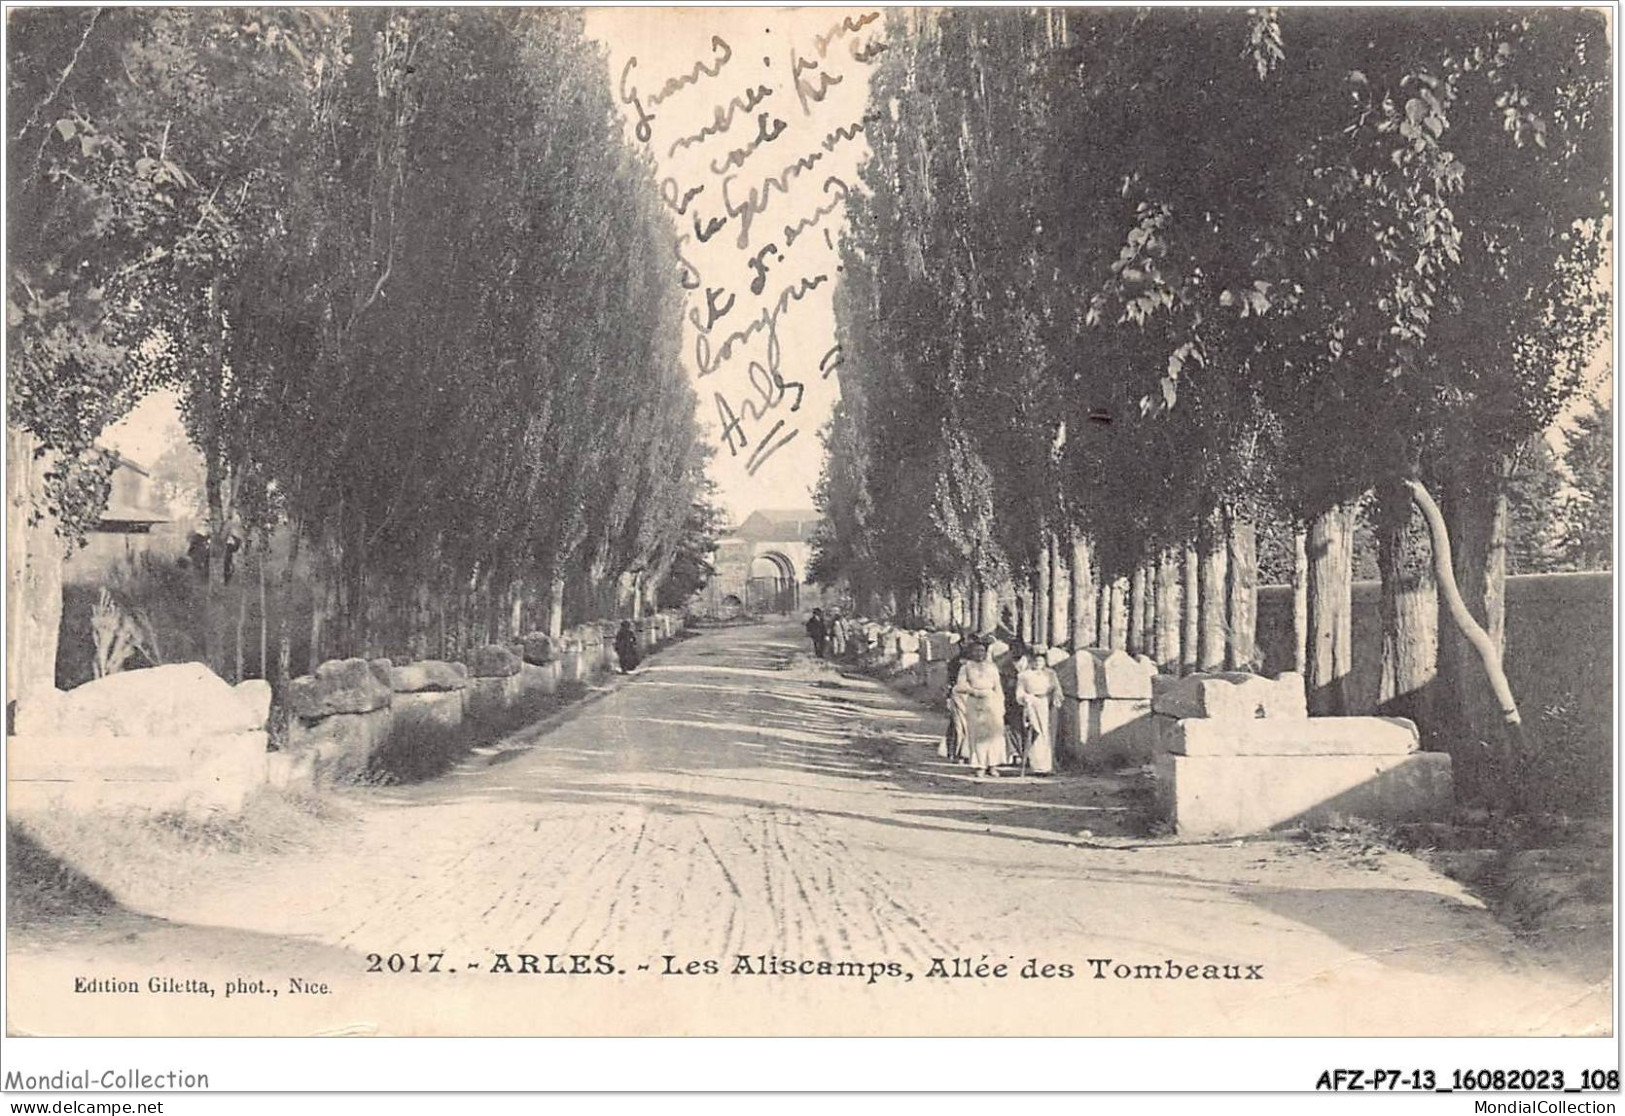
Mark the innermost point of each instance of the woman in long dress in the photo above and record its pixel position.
(1038, 692)
(953, 741)
(979, 700)
(626, 647)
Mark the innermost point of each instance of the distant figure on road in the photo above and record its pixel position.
(837, 635)
(979, 700)
(1038, 693)
(953, 742)
(817, 631)
(626, 647)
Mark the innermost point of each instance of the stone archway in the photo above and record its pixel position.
(772, 584)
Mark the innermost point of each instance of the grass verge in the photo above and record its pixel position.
(66, 864)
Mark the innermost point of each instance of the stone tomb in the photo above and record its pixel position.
(431, 694)
(540, 678)
(1106, 717)
(908, 651)
(167, 738)
(1238, 753)
(936, 650)
(494, 686)
(537, 648)
(337, 718)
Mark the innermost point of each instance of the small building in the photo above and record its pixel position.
(762, 564)
(124, 530)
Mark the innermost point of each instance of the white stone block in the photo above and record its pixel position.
(1232, 696)
(1095, 673)
(1229, 796)
(170, 771)
(1318, 736)
(255, 695)
(184, 698)
(572, 666)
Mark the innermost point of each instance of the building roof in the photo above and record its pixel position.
(780, 524)
(122, 462)
(117, 512)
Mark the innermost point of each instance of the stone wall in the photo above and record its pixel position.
(1559, 642)
(178, 737)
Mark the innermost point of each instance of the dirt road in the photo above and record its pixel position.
(734, 801)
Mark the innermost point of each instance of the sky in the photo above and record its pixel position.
(749, 115)
(752, 118)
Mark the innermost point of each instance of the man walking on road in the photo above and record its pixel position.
(817, 632)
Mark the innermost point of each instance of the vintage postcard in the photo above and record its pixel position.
(1074, 521)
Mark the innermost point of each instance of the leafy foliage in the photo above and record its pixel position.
(412, 287)
(1587, 534)
(1112, 269)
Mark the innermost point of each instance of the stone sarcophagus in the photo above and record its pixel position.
(168, 738)
(1238, 753)
(338, 717)
(540, 678)
(1106, 717)
(908, 650)
(429, 695)
(493, 681)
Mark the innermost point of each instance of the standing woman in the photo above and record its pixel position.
(1038, 692)
(626, 647)
(979, 699)
(837, 635)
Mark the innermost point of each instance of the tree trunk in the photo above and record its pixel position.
(555, 606)
(284, 620)
(214, 484)
(1166, 639)
(1082, 610)
(1190, 635)
(1136, 612)
(1409, 609)
(1242, 578)
(318, 605)
(1024, 612)
(1041, 597)
(1120, 596)
(1103, 617)
(265, 620)
(1300, 601)
(1148, 614)
(1059, 629)
(1484, 644)
(242, 624)
(1474, 506)
(990, 610)
(1330, 549)
(34, 557)
(443, 647)
(1211, 551)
